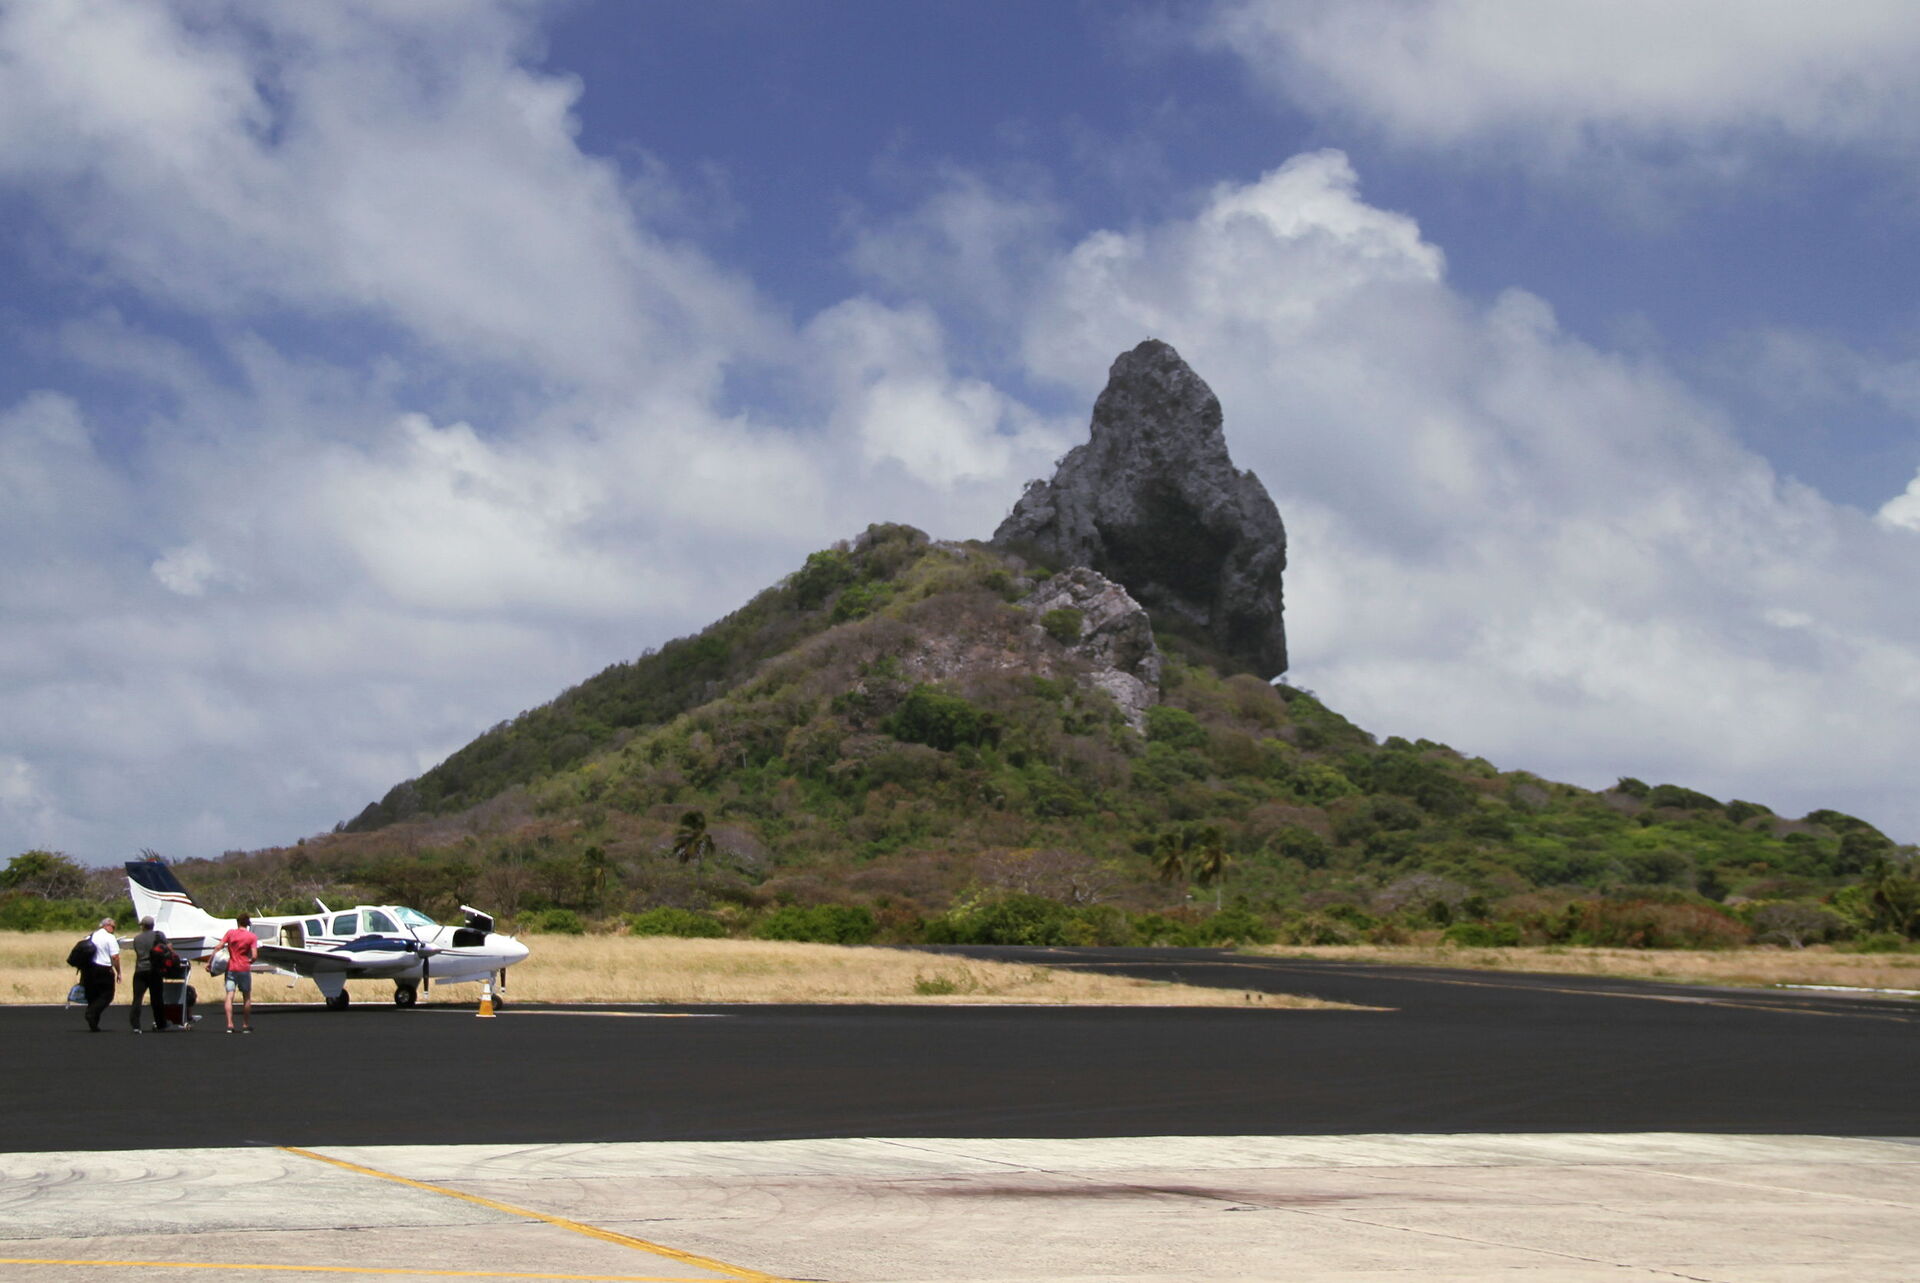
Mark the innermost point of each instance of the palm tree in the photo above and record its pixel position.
(1169, 859)
(1211, 861)
(599, 869)
(692, 843)
(1892, 898)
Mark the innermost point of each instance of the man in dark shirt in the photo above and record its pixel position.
(147, 977)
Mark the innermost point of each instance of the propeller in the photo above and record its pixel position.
(426, 952)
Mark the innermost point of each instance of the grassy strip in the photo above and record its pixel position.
(662, 969)
(1759, 967)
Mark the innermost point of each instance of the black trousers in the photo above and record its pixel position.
(98, 983)
(149, 982)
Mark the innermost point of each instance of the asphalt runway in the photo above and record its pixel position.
(1452, 1052)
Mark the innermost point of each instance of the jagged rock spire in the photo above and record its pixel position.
(1152, 500)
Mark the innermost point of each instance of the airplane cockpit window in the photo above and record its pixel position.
(414, 918)
(380, 923)
(316, 926)
(347, 924)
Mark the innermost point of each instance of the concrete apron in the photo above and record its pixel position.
(1234, 1209)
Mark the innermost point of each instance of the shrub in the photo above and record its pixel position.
(1318, 928)
(1646, 924)
(1233, 926)
(935, 986)
(1394, 814)
(22, 912)
(1063, 625)
(1794, 923)
(1013, 919)
(1859, 848)
(554, 922)
(1297, 842)
(1489, 824)
(1684, 798)
(819, 924)
(861, 600)
(940, 720)
(676, 922)
(44, 873)
(824, 572)
(1157, 929)
(1351, 914)
(1319, 782)
(1656, 868)
(1483, 935)
(1877, 942)
(1174, 727)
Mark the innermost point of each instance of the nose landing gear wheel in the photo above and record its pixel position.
(339, 1001)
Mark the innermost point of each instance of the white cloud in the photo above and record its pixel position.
(1577, 79)
(1903, 510)
(897, 400)
(396, 162)
(968, 242)
(188, 570)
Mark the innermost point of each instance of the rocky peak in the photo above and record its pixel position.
(1112, 636)
(1152, 500)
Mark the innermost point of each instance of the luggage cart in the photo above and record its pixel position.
(177, 997)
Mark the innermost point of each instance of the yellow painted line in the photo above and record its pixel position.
(625, 1015)
(578, 1227)
(352, 1269)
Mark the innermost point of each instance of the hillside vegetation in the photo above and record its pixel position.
(887, 747)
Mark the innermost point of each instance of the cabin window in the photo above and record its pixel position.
(380, 922)
(347, 924)
(316, 927)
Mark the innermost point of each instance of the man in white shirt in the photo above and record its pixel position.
(100, 976)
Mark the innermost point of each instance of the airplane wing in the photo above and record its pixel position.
(372, 957)
(307, 962)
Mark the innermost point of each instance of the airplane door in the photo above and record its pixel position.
(292, 936)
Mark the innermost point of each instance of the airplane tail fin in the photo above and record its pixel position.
(156, 892)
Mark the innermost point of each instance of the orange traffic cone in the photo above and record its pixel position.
(486, 999)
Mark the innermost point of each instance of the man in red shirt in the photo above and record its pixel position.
(242, 947)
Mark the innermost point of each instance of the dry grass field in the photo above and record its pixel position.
(648, 969)
(1816, 965)
(660, 969)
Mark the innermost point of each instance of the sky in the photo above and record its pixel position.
(374, 371)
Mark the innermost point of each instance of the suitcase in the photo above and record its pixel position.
(176, 1001)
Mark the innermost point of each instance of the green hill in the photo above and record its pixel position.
(888, 745)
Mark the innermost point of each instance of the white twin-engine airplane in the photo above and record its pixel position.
(369, 942)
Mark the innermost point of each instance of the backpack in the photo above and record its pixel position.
(81, 955)
(163, 957)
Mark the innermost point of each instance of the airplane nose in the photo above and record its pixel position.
(511, 950)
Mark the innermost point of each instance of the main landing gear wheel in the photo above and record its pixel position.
(339, 1001)
(405, 995)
